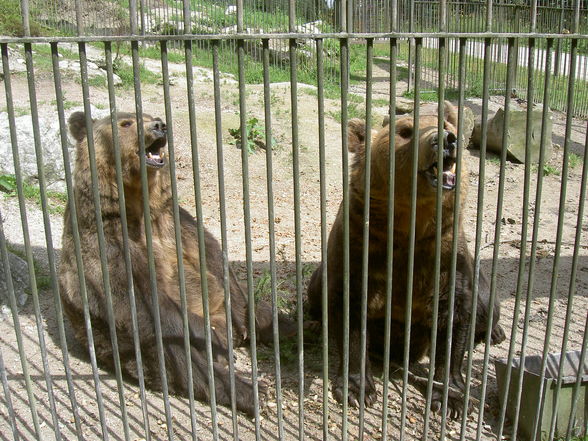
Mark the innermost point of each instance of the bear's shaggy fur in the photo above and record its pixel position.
(424, 257)
(166, 267)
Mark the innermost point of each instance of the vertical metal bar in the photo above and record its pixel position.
(200, 227)
(555, 271)
(442, 15)
(412, 234)
(271, 230)
(240, 16)
(324, 235)
(125, 237)
(178, 233)
(133, 16)
(497, 229)
(187, 16)
(576, 22)
(224, 240)
(558, 48)
(68, 179)
(438, 224)
(411, 21)
(479, 221)
(366, 229)
(390, 245)
(488, 15)
(25, 11)
(79, 20)
(456, 226)
(297, 230)
(5, 387)
(522, 256)
(101, 238)
(247, 222)
(149, 237)
(344, 66)
(141, 13)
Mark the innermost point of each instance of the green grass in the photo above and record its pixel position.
(574, 160)
(18, 111)
(548, 170)
(380, 102)
(11, 20)
(127, 75)
(56, 200)
(263, 291)
(353, 111)
(67, 104)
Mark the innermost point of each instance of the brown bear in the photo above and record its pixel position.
(424, 257)
(166, 267)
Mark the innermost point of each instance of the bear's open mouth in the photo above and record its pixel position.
(154, 156)
(449, 178)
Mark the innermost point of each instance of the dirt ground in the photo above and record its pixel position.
(507, 266)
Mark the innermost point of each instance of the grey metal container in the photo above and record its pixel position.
(531, 388)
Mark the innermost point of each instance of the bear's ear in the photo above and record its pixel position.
(77, 125)
(356, 135)
(450, 113)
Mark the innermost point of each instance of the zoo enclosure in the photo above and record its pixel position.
(319, 16)
(46, 421)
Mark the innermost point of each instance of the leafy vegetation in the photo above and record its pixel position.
(255, 136)
(11, 20)
(56, 200)
(574, 160)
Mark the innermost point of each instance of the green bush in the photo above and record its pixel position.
(11, 20)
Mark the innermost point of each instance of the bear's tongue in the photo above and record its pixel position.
(448, 179)
(154, 156)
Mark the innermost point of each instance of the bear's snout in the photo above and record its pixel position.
(158, 126)
(449, 142)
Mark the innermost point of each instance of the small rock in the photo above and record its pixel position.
(21, 283)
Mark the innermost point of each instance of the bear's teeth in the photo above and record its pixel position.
(453, 168)
(149, 155)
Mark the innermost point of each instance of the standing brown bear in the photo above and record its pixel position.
(166, 266)
(424, 257)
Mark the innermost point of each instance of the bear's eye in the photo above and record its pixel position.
(405, 132)
(126, 123)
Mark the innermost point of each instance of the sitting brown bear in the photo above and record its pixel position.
(166, 267)
(424, 258)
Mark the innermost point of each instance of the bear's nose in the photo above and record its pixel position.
(449, 141)
(158, 125)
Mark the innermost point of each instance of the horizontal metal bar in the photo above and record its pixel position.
(288, 36)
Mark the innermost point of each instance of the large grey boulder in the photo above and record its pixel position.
(404, 105)
(19, 273)
(516, 133)
(50, 139)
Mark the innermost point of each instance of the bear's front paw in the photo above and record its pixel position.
(354, 390)
(498, 335)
